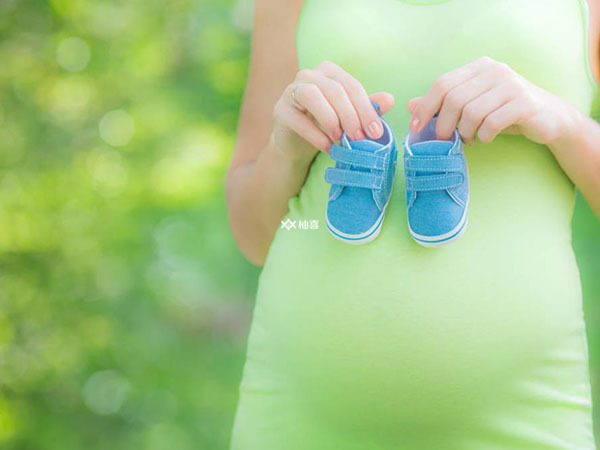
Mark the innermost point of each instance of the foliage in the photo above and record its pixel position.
(124, 304)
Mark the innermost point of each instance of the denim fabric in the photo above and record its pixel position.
(361, 185)
(437, 186)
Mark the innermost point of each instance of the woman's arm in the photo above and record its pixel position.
(578, 151)
(594, 7)
(263, 186)
(280, 133)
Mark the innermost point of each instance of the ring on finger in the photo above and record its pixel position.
(294, 100)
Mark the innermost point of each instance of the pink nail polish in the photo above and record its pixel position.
(375, 129)
(337, 134)
(414, 125)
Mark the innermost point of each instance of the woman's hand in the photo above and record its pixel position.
(315, 108)
(486, 98)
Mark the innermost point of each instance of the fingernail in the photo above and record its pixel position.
(375, 129)
(414, 124)
(337, 134)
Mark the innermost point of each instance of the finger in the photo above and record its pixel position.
(456, 100)
(385, 100)
(309, 97)
(367, 113)
(476, 111)
(337, 97)
(412, 104)
(433, 98)
(507, 115)
(307, 129)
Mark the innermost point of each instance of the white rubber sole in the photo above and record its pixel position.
(444, 242)
(357, 239)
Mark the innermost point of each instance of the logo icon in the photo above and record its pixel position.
(288, 224)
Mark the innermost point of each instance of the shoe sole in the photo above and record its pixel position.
(358, 239)
(442, 242)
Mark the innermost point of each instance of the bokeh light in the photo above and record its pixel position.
(105, 392)
(117, 128)
(73, 54)
(70, 98)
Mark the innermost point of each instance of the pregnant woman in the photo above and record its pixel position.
(390, 345)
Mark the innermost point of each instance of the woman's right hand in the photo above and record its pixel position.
(315, 108)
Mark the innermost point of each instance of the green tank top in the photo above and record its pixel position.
(478, 345)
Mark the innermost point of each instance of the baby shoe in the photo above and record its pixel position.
(361, 186)
(437, 187)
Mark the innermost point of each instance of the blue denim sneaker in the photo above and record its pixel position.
(437, 187)
(361, 186)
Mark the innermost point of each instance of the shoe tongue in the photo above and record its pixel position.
(431, 148)
(365, 145)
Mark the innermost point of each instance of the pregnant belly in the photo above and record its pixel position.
(391, 332)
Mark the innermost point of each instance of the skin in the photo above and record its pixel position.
(280, 133)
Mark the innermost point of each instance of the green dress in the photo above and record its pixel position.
(478, 345)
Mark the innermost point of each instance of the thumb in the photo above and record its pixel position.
(385, 101)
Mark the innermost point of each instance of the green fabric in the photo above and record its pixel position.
(478, 345)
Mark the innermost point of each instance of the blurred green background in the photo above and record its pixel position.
(124, 304)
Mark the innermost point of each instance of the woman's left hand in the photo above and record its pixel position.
(486, 98)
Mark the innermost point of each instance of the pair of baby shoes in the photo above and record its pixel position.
(437, 186)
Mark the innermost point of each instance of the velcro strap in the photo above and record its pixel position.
(434, 182)
(358, 158)
(433, 163)
(353, 178)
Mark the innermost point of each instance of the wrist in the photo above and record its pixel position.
(286, 173)
(571, 123)
(295, 154)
